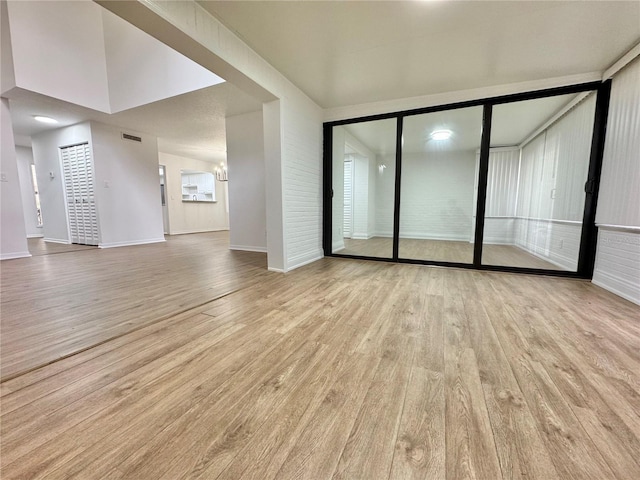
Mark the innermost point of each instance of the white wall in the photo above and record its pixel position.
(13, 237)
(192, 217)
(302, 179)
(126, 184)
(361, 199)
(25, 160)
(292, 122)
(7, 77)
(437, 195)
(502, 190)
(46, 157)
(59, 51)
(553, 172)
(127, 187)
(247, 196)
(276, 245)
(364, 188)
(618, 216)
(142, 70)
(385, 195)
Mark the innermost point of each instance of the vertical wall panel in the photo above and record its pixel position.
(502, 183)
(619, 199)
(618, 255)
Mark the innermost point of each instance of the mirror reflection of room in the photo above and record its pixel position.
(363, 188)
(538, 163)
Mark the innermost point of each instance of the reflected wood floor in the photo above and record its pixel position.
(341, 369)
(37, 247)
(445, 251)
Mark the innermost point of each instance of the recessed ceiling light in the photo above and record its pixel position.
(441, 135)
(43, 119)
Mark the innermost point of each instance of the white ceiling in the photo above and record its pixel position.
(347, 53)
(511, 124)
(190, 125)
(343, 53)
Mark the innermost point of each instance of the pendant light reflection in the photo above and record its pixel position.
(221, 173)
(440, 135)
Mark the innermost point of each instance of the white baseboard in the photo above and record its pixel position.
(304, 259)
(337, 246)
(277, 270)
(362, 236)
(12, 255)
(187, 232)
(619, 286)
(35, 235)
(57, 240)
(130, 244)
(248, 248)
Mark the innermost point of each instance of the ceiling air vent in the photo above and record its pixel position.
(133, 138)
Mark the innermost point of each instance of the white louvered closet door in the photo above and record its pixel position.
(78, 174)
(348, 199)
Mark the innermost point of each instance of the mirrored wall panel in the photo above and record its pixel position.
(363, 188)
(538, 165)
(440, 153)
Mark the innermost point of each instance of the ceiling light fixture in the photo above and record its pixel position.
(441, 135)
(44, 119)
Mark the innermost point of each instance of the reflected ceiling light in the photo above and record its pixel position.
(441, 135)
(44, 119)
(221, 173)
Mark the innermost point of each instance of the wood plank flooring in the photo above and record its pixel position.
(445, 251)
(57, 305)
(340, 369)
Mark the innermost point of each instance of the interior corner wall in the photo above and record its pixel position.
(276, 245)
(245, 160)
(192, 217)
(618, 213)
(30, 210)
(46, 157)
(7, 76)
(59, 58)
(292, 121)
(127, 187)
(13, 237)
(142, 70)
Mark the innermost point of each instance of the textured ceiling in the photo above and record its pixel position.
(191, 125)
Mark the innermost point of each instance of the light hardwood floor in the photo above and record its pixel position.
(445, 251)
(340, 369)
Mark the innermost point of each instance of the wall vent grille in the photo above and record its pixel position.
(133, 138)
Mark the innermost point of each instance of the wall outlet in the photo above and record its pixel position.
(3, 177)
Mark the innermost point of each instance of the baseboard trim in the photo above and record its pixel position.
(187, 232)
(277, 270)
(13, 255)
(35, 235)
(130, 244)
(57, 240)
(617, 286)
(248, 248)
(303, 260)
